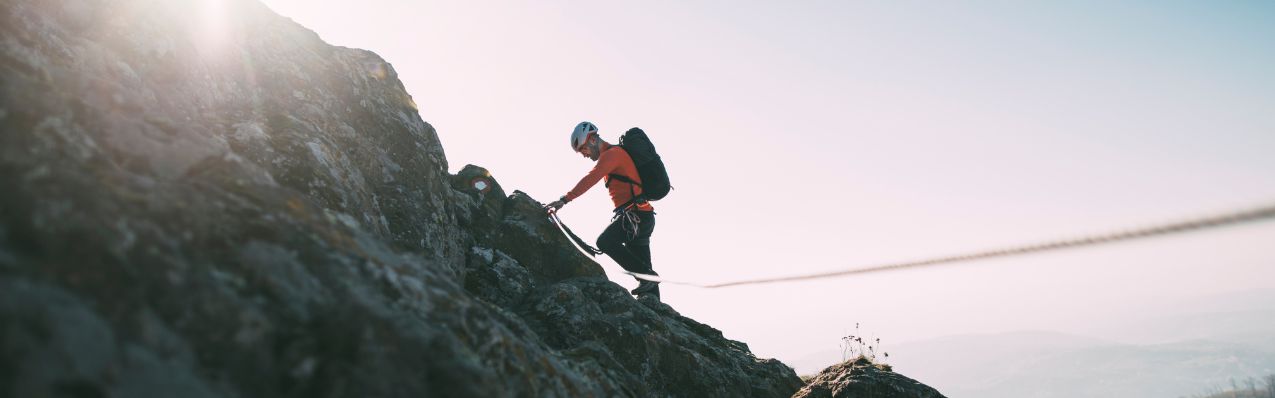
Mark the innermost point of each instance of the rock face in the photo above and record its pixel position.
(235, 208)
(862, 378)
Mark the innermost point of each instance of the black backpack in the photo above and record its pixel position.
(650, 168)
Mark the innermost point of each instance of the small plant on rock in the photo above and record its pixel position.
(856, 346)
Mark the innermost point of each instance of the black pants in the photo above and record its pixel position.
(632, 251)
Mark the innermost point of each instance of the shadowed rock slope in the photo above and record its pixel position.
(257, 213)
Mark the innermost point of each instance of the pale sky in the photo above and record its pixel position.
(818, 136)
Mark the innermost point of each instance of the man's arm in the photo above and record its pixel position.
(607, 163)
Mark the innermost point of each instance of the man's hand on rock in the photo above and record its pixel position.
(553, 206)
(557, 204)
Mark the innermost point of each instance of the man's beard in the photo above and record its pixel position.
(595, 151)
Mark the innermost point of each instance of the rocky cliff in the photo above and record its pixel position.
(248, 211)
(264, 214)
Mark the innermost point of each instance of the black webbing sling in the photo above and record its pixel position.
(579, 242)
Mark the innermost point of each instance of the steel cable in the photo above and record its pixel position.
(1215, 221)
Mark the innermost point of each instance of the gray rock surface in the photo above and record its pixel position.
(262, 214)
(861, 378)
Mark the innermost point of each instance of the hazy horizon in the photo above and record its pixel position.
(824, 135)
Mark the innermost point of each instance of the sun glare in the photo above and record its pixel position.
(212, 32)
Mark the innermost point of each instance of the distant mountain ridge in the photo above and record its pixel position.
(1035, 365)
(1177, 349)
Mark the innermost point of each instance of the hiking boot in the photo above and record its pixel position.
(645, 286)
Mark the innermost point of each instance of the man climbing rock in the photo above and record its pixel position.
(628, 239)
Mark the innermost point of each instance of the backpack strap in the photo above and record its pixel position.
(622, 179)
(634, 198)
(614, 176)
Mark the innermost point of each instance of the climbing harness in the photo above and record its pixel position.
(629, 220)
(1215, 221)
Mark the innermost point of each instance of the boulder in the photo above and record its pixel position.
(860, 378)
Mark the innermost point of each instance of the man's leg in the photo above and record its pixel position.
(641, 248)
(612, 242)
(632, 253)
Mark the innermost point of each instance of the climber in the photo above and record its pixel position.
(628, 239)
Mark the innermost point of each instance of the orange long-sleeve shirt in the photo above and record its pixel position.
(613, 160)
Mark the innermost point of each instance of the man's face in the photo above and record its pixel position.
(590, 148)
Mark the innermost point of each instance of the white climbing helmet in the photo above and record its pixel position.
(581, 133)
